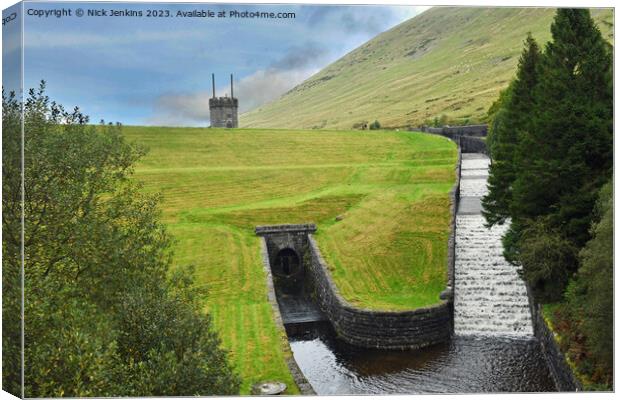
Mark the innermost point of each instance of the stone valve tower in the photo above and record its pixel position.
(223, 110)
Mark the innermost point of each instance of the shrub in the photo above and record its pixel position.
(95, 251)
(546, 257)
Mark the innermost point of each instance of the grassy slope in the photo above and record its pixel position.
(451, 61)
(388, 251)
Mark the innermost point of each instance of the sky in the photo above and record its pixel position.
(157, 70)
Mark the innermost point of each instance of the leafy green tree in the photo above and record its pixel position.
(592, 302)
(91, 238)
(11, 245)
(162, 362)
(510, 123)
(443, 120)
(71, 346)
(546, 253)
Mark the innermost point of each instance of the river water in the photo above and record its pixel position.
(493, 349)
(467, 364)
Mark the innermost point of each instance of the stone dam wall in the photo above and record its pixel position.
(472, 145)
(376, 329)
(396, 330)
(563, 377)
(299, 378)
(463, 130)
(468, 137)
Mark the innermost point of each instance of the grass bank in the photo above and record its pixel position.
(387, 250)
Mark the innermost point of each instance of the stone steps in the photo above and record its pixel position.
(490, 298)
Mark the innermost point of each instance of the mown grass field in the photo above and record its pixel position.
(447, 60)
(387, 251)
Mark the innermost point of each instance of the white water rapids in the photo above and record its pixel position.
(490, 298)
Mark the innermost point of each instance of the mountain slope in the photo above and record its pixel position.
(451, 61)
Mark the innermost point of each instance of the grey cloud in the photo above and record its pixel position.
(297, 64)
(181, 109)
(192, 109)
(268, 85)
(301, 56)
(369, 20)
(261, 87)
(373, 21)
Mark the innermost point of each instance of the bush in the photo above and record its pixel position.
(11, 246)
(96, 251)
(375, 125)
(546, 258)
(167, 343)
(590, 298)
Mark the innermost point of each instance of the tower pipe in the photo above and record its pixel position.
(213, 83)
(232, 96)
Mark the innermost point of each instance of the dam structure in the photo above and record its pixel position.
(492, 347)
(490, 298)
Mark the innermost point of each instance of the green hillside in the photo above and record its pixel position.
(451, 61)
(388, 249)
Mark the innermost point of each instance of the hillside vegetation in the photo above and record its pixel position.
(451, 61)
(388, 250)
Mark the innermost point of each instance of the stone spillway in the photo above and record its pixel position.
(493, 349)
(490, 298)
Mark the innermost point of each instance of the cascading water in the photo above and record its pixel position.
(493, 349)
(490, 298)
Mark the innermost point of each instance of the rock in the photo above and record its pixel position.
(339, 217)
(268, 388)
(447, 294)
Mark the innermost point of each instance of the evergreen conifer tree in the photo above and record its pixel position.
(513, 118)
(566, 154)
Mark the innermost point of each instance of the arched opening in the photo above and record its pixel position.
(288, 272)
(287, 263)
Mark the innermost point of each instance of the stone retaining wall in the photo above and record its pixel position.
(299, 378)
(463, 130)
(455, 195)
(468, 143)
(468, 130)
(387, 330)
(376, 329)
(472, 145)
(563, 377)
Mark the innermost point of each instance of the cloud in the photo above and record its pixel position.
(265, 85)
(336, 30)
(301, 56)
(181, 109)
(368, 20)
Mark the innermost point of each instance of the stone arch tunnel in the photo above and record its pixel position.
(288, 272)
(287, 248)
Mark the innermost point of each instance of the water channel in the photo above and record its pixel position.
(493, 349)
(467, 364)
